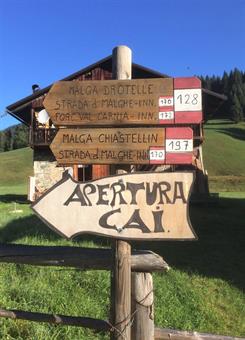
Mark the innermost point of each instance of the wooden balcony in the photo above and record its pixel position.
(41, 136)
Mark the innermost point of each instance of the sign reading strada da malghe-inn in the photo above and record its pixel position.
(146, 206)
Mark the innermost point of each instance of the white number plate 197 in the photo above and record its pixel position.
(179, 145)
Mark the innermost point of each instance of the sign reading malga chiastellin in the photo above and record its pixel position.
(144, 206)
(155, 145)
(125, 102)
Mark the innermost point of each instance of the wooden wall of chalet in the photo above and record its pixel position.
(98, 73)
(102, 72)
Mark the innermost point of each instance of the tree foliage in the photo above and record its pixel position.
(233, 86)
(14, 137)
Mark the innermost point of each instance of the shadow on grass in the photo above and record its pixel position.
(33, 228)
(219, 251)
(8, 198)
(211, 123)
(233, 132)
(29, 226)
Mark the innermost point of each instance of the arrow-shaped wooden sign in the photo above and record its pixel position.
(125, 102)
(155, 145)
(143, 206)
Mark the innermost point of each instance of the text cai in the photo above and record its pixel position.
(119, 194)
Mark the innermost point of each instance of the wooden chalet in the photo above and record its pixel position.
(46, 171)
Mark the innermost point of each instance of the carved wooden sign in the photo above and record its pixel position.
(123, 146)
(143, 206)
(125, 102)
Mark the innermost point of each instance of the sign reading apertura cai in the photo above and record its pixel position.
(156, 145)
(125, 102)
(131, 206)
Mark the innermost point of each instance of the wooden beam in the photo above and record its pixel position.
(57, 319)
(104, 326)
(77, 257)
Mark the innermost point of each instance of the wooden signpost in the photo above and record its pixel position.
(156, 145)
(131, 206)
(134, 206)
(125, 102)
(104, 122)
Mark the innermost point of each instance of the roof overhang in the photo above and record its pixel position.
(21, 109)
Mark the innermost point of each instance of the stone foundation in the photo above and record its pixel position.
(46, 171)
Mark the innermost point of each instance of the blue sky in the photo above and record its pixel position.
(42, 41)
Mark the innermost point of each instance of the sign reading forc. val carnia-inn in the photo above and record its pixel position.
(125, 102)
(145, 206)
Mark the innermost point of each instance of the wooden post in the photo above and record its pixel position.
(142, 283)
(122, 63)
(121, 276)
(142, 306)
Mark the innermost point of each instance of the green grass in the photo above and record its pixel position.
(224, 155)
(226, 183)
(204, 289)
(224, 148)
(193, 302)
(15, 167)
(49, 290)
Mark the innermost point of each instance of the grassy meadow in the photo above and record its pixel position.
(224, 155)
(203, 291)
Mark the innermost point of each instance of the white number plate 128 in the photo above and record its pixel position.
(188, 100)
(179, 145)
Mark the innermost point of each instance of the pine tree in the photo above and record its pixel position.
(236, 109)
(14, 137)
(21, 137)
(225, 83)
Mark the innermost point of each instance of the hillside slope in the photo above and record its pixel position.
(224, 148)
(224, 155)
(15, 167)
